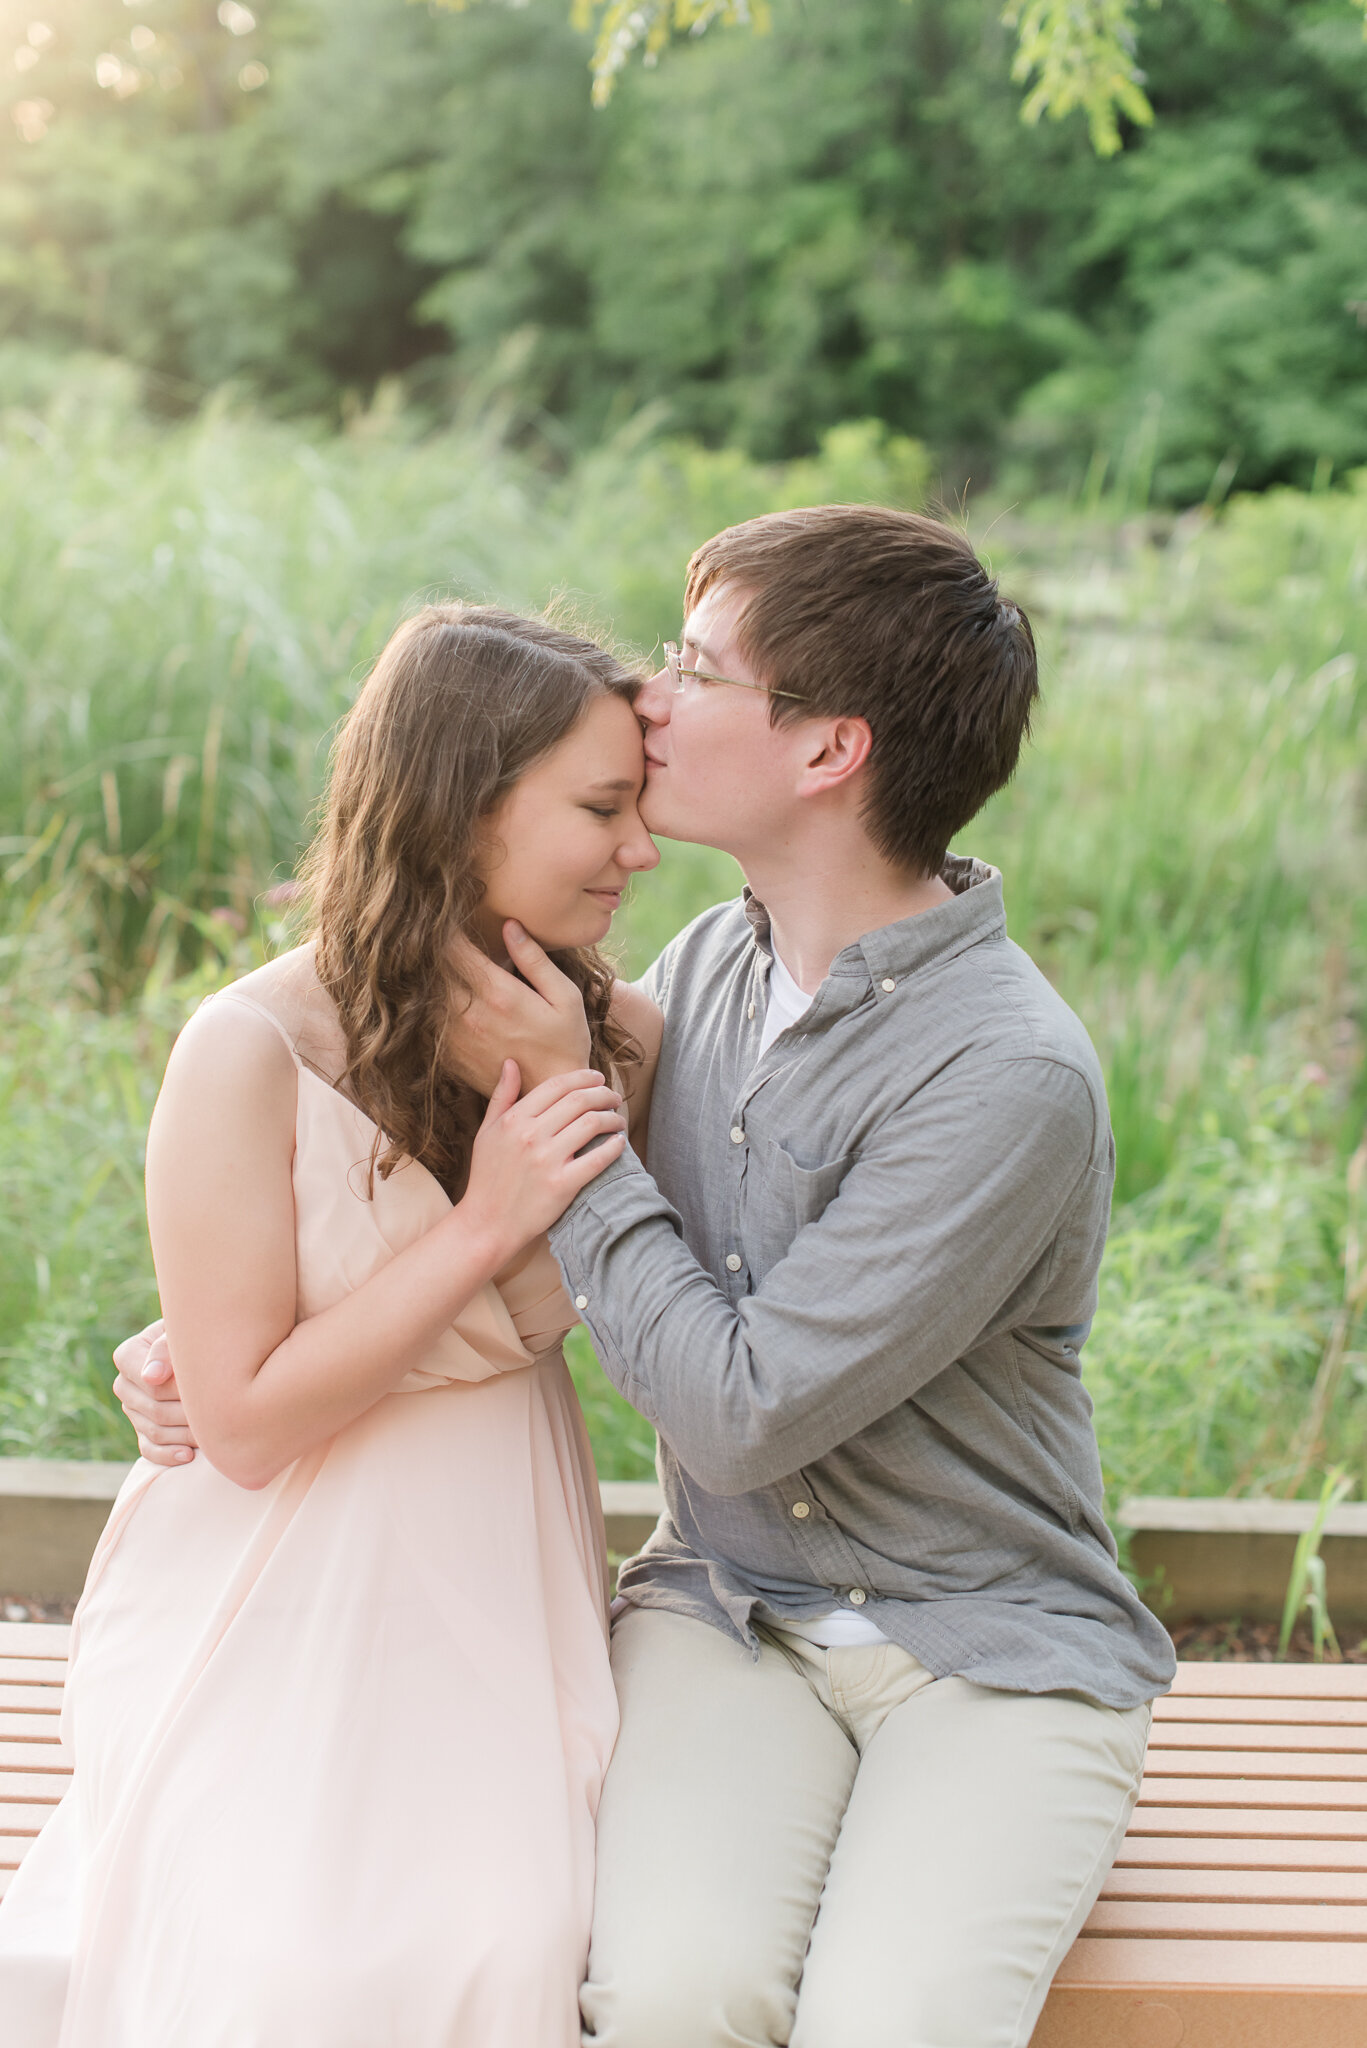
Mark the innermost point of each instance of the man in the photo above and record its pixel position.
(884, 1689)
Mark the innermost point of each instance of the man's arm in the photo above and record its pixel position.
(938, 1233)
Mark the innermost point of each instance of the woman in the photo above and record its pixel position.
(340, 1703)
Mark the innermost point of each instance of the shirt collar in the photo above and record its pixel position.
(893, 951)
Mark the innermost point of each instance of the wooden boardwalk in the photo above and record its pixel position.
(1235, 1917)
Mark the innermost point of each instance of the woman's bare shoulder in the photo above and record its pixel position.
(633, 1009)
(237, 1046)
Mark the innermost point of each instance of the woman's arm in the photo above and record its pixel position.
(258, 1389)
(633, 1009)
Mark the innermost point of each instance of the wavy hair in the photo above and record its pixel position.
(461, 702)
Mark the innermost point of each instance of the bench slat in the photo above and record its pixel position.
(30, 1699)
(1178, 1818)
(33, 1756)
(1312, 1887)
(1316, 1713)
(1215, 1920)
(33, 1670)
(20, 1820)
(1270, 1681)
(1342, 1767)
(1233, 1852)
(30, 1728)
(34, 1638)
(1339, 1794)
(34, 1788)
(1114, 1959)
(1297, 1738)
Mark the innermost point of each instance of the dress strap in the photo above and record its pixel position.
(234, 995)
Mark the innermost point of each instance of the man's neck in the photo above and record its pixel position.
(818, 907)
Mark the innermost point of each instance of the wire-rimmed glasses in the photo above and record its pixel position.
(679, 676)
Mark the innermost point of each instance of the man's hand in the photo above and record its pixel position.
(148, 1394)
(542, 1027)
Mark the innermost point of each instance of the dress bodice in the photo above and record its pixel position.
(344, 1235)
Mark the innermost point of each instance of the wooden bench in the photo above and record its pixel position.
(1235, 1917)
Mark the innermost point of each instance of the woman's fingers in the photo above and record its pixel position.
(548, 1093)
(535, 965)
(505, 1094)
(576, 1104)
(593, 1123)
(587, 1166)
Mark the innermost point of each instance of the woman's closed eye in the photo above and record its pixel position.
(599, 812)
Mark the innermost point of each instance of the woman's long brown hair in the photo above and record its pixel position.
(461, 702)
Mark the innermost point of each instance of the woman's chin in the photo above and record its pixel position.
(587, 929)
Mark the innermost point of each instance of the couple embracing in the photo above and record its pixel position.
(829, 1188)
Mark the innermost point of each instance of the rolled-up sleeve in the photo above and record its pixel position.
(943, 1228)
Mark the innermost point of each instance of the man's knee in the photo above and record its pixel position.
(945, 2000)
(661, 1998)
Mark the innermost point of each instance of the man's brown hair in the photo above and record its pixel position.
(891, 617)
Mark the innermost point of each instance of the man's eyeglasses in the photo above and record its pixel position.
(679, 676)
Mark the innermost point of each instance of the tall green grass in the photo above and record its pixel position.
(184, 613)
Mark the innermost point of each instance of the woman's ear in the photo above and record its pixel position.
(839, 749)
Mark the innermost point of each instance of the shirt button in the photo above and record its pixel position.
(737, 1135)
(801, 1509)
(751, 1011)
(888, 987)
(733, 1262)
(581, 1301)
(857, 1596)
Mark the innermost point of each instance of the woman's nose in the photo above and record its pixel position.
(639, 852)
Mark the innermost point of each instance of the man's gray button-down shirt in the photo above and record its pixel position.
(851, 1296)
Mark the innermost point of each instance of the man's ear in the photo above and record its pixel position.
(839, 748)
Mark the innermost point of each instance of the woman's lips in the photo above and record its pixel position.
(610, 896)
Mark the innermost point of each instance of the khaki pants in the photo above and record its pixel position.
(952, 1838)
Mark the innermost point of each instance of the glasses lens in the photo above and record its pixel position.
(672, 664)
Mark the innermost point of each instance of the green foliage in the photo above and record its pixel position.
(1080, 57)
(1307, 1587)
(1079, 53)
(185, 609)
(841, 219)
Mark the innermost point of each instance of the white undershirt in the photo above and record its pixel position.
(844, 1627)
(787, 1002)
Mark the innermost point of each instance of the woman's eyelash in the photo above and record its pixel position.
(602, 813)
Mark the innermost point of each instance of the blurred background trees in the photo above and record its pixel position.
(845, 218)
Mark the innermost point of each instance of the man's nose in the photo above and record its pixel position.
(655, 699)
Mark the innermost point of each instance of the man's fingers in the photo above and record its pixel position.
(157, 1454)
(535, 965)
(145, 1407)
(130, 1354)
(156, 1369)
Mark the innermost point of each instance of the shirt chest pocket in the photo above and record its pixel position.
(784, 1198)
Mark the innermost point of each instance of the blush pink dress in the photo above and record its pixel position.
(338, 1744)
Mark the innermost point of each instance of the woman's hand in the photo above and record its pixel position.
(538, 1021)
(524, 1172)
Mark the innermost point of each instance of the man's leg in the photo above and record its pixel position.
(716, 1826)
(980, 1830)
